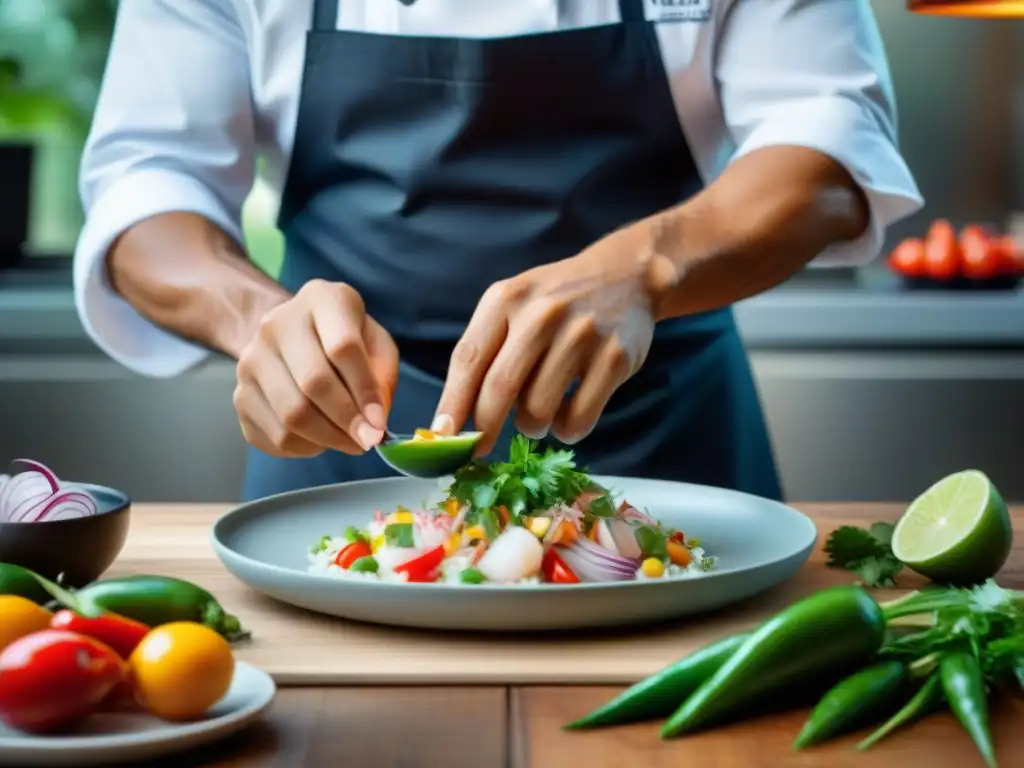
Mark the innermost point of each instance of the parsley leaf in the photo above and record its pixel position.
(399, 535)
(866, 552)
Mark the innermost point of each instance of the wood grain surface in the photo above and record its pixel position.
(298, 647)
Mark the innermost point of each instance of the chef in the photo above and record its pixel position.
(499, 214)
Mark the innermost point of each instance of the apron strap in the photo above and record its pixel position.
(632, 11)
(325, 15)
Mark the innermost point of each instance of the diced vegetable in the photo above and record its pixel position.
(351, 553)
(539, 526)
(592, 562)
(400, 535)
(472, 576)
(422, 568)
(653, 568)
(555, 570)
(367, 564)
(678, 553)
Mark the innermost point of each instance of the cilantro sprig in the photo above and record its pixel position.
(866, 552)
(529, 480)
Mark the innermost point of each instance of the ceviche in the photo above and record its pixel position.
(534, 519)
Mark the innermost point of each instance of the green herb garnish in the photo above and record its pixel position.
(322, 544)
(529, 480)
(652, 541)
(399, 535)
(353, 534)
(866, 552)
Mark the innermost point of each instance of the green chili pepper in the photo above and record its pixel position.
(661, 693)
(15, 580)
(863, 697)
(965, 691)
(154, 600)
(814, 639)
(928, 698)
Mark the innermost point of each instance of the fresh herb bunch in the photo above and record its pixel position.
(529, 480)
(867, 552)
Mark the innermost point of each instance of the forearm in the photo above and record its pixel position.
(183, 273)
(761, 221)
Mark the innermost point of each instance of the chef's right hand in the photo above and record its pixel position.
(318, 374)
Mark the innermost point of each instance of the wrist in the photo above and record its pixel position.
(244, 307)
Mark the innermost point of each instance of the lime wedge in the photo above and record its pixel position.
(956, 532)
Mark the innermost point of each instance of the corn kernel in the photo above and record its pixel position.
(453, 544)
(539, 526)
(652, 568)
(399, 517)
(377, 542)
(423, 434)
(451, 506)
(475, 532)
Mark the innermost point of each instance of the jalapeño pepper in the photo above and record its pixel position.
(15, 580)
(863, 697)
(661, 693)
(814, 639)
(928, 698)
(965, 691)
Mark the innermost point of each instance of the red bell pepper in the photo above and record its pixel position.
(423, 568)
(117, 632)
(555, 569)
(54, 678)
(351, 553)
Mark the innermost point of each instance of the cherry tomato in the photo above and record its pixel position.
(908, 258)
(1011, 255)
(117, 632)
(351, 553)
(54, 678)
(678, 537)
(942, 252)
(982, 259)
(555, 570)
(423, 568)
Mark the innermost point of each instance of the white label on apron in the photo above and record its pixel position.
(677, 10)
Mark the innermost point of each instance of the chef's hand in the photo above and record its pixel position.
(588, 318)
(318, 374)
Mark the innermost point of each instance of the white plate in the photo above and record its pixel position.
(106, 739)
(759, 543)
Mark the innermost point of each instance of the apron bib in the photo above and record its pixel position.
(425, 169)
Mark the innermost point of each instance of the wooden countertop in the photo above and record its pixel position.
(520, 725)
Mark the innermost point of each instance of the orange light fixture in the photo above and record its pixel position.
(978, 9)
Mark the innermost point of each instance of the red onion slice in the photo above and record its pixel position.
(65, 505)
(21, 494)
(594, 563)
(43, 470)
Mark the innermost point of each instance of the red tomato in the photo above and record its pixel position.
(908, 258)
(1011, 255)
(982, 259)
(423, 568)
(555, 570)
(52, 679)
(117, 632)
(942, 252)
(351, 553)
(679, 537)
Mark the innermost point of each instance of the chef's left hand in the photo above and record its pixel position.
(589, 317)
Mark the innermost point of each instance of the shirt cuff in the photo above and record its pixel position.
(848, 133)
(110, 321)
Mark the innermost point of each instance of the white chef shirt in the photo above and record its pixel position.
(195, 88)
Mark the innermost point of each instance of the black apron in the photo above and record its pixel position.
(425, 169)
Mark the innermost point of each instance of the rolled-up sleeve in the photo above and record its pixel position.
(173, 131)
(814, 73)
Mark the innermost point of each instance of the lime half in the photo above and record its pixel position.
(956, 532)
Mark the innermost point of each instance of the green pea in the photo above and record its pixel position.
(472, 576)
(365, 564)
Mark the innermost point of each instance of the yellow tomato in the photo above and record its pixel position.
(19, 617)
(182, 669)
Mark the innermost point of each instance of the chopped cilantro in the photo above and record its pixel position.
(321, 545)
(652, 541)
(353, 535)
(866, 552)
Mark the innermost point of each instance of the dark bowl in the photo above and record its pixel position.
(81, 549)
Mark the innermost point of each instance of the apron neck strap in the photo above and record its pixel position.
(632, 10)
(325, 15)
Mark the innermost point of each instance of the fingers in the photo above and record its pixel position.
(384, 360)
(470, 361)
(576, 417)
(312, 384)
(338, 322)
(263, 430)
(545, 392)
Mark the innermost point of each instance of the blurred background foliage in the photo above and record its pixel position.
(52, 56)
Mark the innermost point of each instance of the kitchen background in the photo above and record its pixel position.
(872, 392)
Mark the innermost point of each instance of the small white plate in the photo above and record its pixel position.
(105, 739)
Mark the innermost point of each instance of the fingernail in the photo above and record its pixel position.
(368, 436)
(374, 414)
(442, 424)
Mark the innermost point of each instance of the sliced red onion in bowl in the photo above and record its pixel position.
(35, 496)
